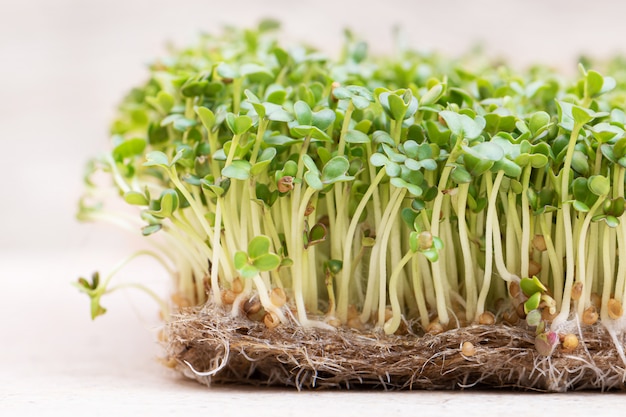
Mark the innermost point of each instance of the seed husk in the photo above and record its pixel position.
(590, 315)
(514, 289)
(487, 318)
(180, 300)
(468, 349)
(228, 297)
(278, 297)
(237, 286)
(570, 342)
(615, 309)
(434, 327)
(577, 291)
(539, 243)
(270, 320)
(252, 306)
(534, 268)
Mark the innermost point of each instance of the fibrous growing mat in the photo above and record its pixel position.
(212, 347)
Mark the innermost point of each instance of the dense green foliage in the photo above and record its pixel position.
(373, 189)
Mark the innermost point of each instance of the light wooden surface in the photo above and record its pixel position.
(64, 65)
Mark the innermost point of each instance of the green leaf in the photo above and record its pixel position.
(581, 115)
(239, 124)
(463, 125)
(129, 147)
(378, 159)
(267, 262)
(313, 180)
(248, 271)
(239, 170)
(225, 71)
(334, 266)
(258, 246)
(303, 113)
(256, 73)
(397, 107)
(165, 102)
(150, 229)
(532, 303)
(414, 241)
(156, 158)
(431, 254)
(135, 198)
(580, 206)
(168, 202)
(594, 83)
(531, 286)
(460, 175)
(335, 168)
(317, 234)
(240, 260)
(323, 119)
(354, 136)
(599, 185)
(309, 163)
(433, 95)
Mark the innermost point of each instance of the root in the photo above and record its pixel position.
(211, 346)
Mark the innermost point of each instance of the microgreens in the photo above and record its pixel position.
(409, 188)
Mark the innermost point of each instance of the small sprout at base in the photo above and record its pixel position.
(569, 342)
(531, 286)
(577, 291)
(590, 316)
(546, 342)
(533, 318)
(270, 320)
(539, 243)
(228, 297)
(278, 297)
(434, 327)
(468, 349)
(615, 309)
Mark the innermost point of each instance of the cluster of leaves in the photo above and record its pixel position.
(248, 160)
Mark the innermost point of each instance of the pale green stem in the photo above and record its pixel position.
(567, 223)
(392, 324)
(468, 261)
(581, 272)
(491, 218)
(344, 277)
(395, 202)
(525, 245)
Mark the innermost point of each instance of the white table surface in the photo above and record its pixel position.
(63, 66)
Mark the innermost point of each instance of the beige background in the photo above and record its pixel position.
(64, 65)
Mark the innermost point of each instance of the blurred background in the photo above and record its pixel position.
(65, 64)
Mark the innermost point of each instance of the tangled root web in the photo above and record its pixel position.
(210, 346)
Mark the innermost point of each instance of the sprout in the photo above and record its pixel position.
(362, 194)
